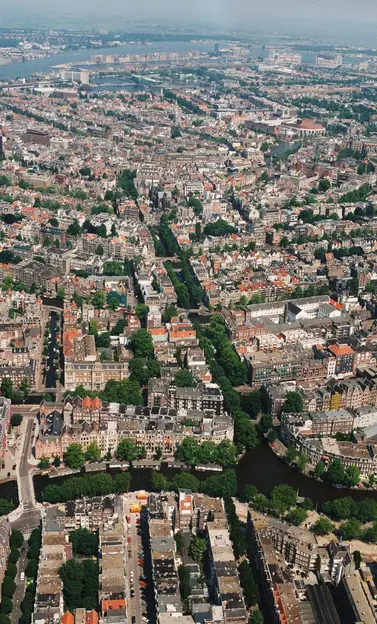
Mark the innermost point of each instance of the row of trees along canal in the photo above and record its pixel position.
(226, 367)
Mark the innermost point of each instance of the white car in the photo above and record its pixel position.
(22, 576)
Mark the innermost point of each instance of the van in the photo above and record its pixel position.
(22, 576)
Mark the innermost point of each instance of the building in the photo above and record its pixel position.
(5, 531)
(156, 429)
(224, 579)
(38, 137)
(329, 61)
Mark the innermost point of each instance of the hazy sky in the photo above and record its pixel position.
(363, 10)
(246, 13)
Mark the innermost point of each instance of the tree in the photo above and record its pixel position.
(33, 551)
(140, 370)
(14, 555)
(44, 463)
(6, 605)
(256, 617)
(290, 454)
(169, 312)
(283, 497)
(12, 570)
(74, 228)
(245, 431)
(99, 299)
(293, 403)
(248, 584)
(296, 516)
(222, 486)
(207, 452)
(302, 461)
(351, 476)
(372, 480)
(226, 454)
(7, 387)
(184, 379)
(113, 303)
(84, 542)
(307, 504)
(159, 483)
(100, 250)
(335, 472)
(324, 185)
(357, 559)
(32, 568)
(186, 481)
(350, 530)
(319, 470)
(127, 450)
(249, 492)
(9, 587)
(198, 548)
(188, 451)
(141, 311)
(271, 436)
(93, 452)
(16, 538)
(184, 582)
(6, 506)
(35, 536)
(323, 526)
(57, 461)
(4, 619)
(74, 457)
(142, 344)
(16, 420)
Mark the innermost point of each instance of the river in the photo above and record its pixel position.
(46, 65)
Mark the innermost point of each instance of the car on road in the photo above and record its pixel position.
(133, 619)
(22, 576)
(129, 540)
(132, 593)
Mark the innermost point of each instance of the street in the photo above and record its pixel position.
(20, 586)
(30, 515)
(135, 605)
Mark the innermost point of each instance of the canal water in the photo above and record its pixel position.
(50, 376)
(259, 467)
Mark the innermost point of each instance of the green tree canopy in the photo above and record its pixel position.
(323, 526)
(142, 344)
(74, 456)
(293, 402)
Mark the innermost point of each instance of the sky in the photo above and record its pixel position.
(344, 16)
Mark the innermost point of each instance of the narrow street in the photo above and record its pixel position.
(135, 604)
(20, 585)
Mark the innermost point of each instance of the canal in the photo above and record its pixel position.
(259, 467)
(51, 368)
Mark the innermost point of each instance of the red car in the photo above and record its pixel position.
(129, 540)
